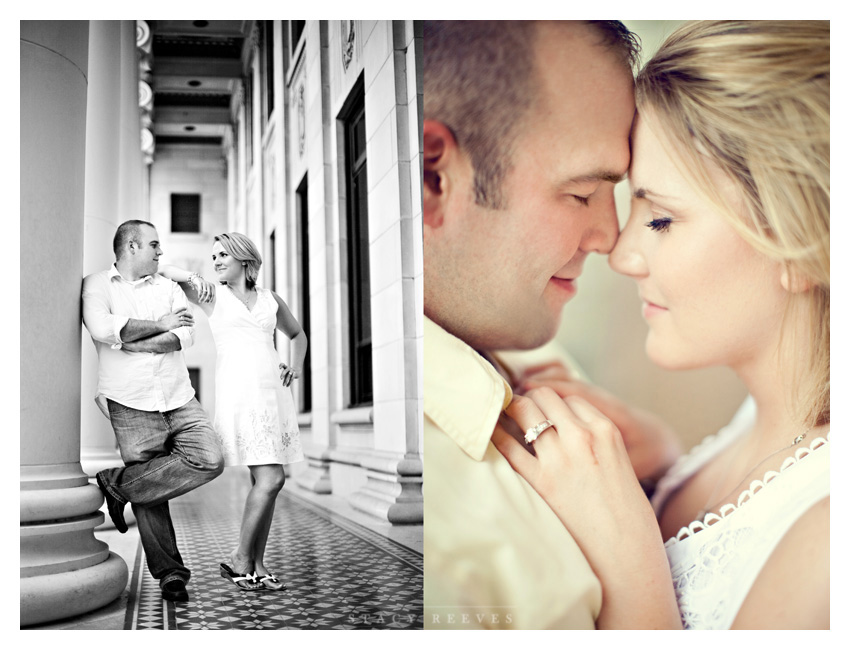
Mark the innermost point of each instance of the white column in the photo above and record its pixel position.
(393, 490)
(131, 181)
(65, 571)
(112, 173)
(98, 449)
(323, 293)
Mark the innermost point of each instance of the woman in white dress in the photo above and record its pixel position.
(728, 241)
(255, 416)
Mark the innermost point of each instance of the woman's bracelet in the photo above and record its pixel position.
(192, 276)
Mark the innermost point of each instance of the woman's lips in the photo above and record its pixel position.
(650, 309)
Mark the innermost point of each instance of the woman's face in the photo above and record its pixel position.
(227, 268)
(708, 297)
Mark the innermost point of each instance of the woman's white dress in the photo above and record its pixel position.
(715, 562)
(255, 416)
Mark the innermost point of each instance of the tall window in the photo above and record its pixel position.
(268, 65)
(185, 213)
(359, 293)
(305, 386)
(296, 29)
(249, 118)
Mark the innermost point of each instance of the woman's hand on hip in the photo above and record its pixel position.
(288, 374)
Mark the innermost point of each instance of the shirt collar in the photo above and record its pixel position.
(464, 394)
(114, 273)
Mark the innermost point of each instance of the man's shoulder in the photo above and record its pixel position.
(158, 279)
(96, 279)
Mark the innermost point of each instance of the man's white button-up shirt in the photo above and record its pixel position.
(141, 380)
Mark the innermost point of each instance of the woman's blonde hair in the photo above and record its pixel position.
(240, 248)
(752, 97)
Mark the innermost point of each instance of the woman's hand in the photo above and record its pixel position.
(652, 445)
(204, 288)
(582, 470)
(288, 374)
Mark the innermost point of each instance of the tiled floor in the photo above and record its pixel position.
(340, 574)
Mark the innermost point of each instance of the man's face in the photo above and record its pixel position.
(146, 252)
(498, 279)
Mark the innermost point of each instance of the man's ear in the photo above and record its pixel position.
(440, 148)
(793, 281)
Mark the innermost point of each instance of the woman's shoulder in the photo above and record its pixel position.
(792, 589)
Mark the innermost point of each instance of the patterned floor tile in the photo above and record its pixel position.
(339, 575)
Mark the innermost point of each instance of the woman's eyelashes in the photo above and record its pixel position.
(659, 223)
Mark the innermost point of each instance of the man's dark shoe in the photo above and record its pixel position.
(115, 507)
(175, 590)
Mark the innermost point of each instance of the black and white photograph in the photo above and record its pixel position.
(221, 397)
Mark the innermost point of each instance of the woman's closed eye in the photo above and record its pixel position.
(659, 224)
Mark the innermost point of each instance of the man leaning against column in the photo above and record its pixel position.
(139, 322)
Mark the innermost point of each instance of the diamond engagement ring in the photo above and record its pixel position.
(534, 432)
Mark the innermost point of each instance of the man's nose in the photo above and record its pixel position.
(603, 229)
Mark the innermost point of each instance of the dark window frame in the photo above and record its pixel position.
(303, 216)
(268, 67)
(296, 32)
(359, 280)
(185, 212)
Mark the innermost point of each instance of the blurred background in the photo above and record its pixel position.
(602, 327)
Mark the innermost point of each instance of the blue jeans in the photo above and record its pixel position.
(165, 455)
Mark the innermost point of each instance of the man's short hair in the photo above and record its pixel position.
(127, 232)
(479, 81)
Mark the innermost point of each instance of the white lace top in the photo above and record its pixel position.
(715, 562)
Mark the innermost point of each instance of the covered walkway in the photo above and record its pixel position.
(303, 135)
(342, 570)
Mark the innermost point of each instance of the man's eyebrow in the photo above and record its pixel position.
(602, 175)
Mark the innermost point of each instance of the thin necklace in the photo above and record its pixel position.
(247, 295)
(711, 502)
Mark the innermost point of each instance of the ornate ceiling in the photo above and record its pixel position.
(192, 69)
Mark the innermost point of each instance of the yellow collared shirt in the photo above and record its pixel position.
(496, 556)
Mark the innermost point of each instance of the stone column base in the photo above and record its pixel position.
(317, 476)
(65, 570)
(393, 490)
(60, 595)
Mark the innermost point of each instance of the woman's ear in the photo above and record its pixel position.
(440, 149)
(793, 281)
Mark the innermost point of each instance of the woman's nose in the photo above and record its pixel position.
(627, 257)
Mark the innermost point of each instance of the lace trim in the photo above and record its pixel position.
(756, 486)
